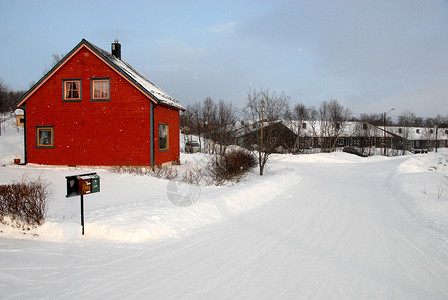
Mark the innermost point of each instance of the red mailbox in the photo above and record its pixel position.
(84, 185)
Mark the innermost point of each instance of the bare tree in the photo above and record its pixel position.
(406, 120)
(299, 115)
(222, 133)
(8, 97)
(264, 110)
(375, 119)
(208, 117)
(4, 99)
(333, 119)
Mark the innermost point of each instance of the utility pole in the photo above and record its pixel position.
(262, 111)
(384, 129)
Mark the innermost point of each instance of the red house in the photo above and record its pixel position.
(92, 108)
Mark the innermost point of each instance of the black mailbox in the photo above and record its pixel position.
(82, 184)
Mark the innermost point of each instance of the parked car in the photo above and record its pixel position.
(352, 150)
(417, 151)
(192, 147)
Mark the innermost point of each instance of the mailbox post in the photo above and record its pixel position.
(82, 185)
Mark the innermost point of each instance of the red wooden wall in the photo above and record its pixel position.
(115, 132)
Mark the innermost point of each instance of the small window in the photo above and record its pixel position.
(101, 89)
(340, 141)
(431, 131)
(338, 126)
(44, 137)
(163, 137)
(364, 126)
(417, 131)
(72, 90)
(304, 125)
(400, 130)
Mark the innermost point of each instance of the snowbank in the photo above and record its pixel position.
(421, 184)
(11, 140)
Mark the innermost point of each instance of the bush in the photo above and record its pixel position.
(24, 202)
(159, 172)
(231, 166)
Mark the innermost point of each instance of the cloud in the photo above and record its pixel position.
(223, 28)
(357, 49)
(178, 54)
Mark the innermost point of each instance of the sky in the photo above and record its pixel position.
(370, 55)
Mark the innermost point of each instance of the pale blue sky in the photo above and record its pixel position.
(371, 55)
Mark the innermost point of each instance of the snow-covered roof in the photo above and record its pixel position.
(323, 129)
(316, 128)
(19, 112)
(418, 133)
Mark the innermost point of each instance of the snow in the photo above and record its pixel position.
(318, 226)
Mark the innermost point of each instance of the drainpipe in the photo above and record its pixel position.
(151, 135)
(152, 106)
(24, 135)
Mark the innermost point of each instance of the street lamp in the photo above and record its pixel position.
(384, 129)
(443, 125)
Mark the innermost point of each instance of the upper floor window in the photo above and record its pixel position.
(417, 131)
(72, 90)
(304, 125)
(101, 89)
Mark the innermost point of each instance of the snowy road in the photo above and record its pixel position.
(337, 232)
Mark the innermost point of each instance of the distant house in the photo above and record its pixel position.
(20, 119)
(331, 136)
(277, 137)
(92, 108)
(420, 139)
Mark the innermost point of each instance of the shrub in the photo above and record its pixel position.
(159, 172)
(195, 176)
(231, 166)
(24, 202)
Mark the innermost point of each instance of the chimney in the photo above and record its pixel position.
(116, 49)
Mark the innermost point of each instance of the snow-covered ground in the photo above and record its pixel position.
(320, 226)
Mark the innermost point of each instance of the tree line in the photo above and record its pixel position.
(8, 98)
(212, 119)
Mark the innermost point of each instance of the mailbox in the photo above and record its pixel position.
(95, 186)
(82, 184)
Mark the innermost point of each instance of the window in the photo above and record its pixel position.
(431, 131)
(101, 89)
(72, 90)
(304, 125)
(364, 126)
(340, 141)
(417, 131)
(163, 137)
(400, 130)
(44, 137)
